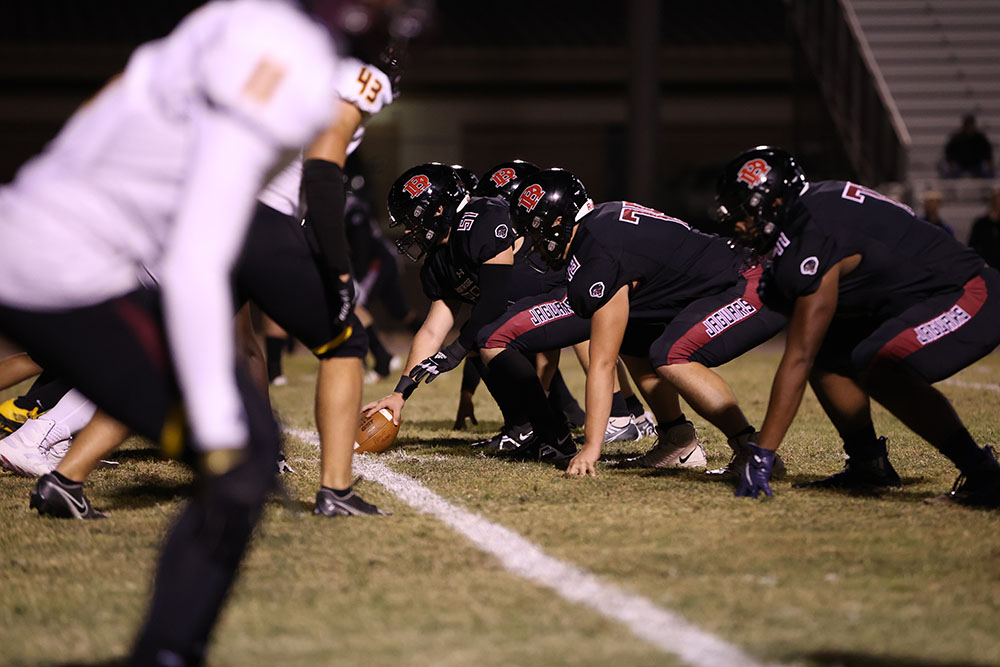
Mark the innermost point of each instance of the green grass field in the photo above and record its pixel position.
(808, 577)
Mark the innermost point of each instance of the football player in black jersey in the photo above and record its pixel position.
(468, 250)
(882, 305)
(673, 301)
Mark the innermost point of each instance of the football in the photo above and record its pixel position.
(376, 433)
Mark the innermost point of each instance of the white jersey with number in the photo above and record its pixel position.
(161, 170)
(364, 86)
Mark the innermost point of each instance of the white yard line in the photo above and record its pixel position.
(662, 628)
(971, 385)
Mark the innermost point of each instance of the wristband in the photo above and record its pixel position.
(405, 386)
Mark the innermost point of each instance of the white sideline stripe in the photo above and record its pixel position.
(972, 385)
(663, 629)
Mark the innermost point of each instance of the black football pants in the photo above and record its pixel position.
(115, 353)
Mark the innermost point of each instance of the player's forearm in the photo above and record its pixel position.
(195, 277)
(426, 343)
(786, 395)
(600, 387)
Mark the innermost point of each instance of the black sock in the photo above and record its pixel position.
(43, 393)
(618, 406)
(519, 375)
(964, 452)
(382, 356)
(663, 426)
(63, 479)
(635, 406)
(337, 492)
(510, 403)
(471, 374)
(273, 347)
(863, 444)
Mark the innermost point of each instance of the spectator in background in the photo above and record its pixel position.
(968, 152)
(985, 236)
(932, 211)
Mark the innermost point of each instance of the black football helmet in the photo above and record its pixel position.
(425, 200)
(545, 208)
(469, 179)
(503, 179)
(757, 189)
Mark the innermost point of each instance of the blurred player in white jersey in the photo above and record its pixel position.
(161, 169)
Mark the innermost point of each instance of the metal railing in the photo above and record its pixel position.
(875, 138)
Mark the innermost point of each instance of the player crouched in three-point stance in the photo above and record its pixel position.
(882, 305)
(160, 170)
(673, 301)
(470, 258)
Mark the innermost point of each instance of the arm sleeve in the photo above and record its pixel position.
(211, 223)
(593, 285)
(323, 188)
(493, 281)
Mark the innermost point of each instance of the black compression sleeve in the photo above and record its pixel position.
(493, 281)
(323, 188)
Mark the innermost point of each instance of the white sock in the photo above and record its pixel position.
(71, 413)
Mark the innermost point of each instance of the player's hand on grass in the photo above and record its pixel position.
(756, 475)
(583, 464)
(466, 411)
(393, 403)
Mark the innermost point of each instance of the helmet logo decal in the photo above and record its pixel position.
(501, 231)
(753, 172)
(597, 290)
(502, 177)
(416, 185)
(809, 266)
(531, 196)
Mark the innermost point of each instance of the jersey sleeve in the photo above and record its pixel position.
(592, 283)
(800, 269)
(430, 276)
(492, 234)
(273, 69)
(365, 86)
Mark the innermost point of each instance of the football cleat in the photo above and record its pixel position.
(507, 439)
(621, 429)
(11, 416)
(36, 448)
(283, 466)
(677, 447)
(741, 455)
(330, 504)
(871, 474)
(65, 501)
(646, 425)
(557, 453)
(981, 489)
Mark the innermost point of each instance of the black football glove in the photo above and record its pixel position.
(442, 362)
(756, 474)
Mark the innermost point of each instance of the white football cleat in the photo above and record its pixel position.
(26, 450)
(678, 447)
(621, 429)
(646, 425)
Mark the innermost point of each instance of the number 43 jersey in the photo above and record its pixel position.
(619, 243)
(904, 259)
